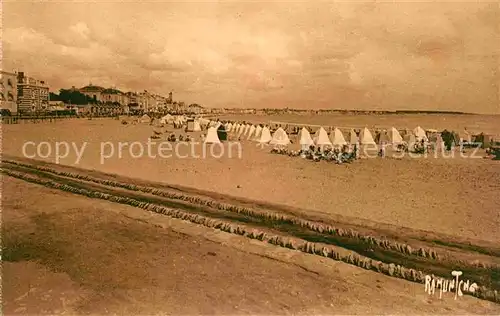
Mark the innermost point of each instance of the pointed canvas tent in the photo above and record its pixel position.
(178, 120)
(212, 137)
(193, 126)
(394, 136)
(203, 122)
(241, 130)
(353, 137)
(366, 137)
(145, 119)
(420, 134)
(167, 119)
(197, 127)
(247, 129)
(258, 131)
(305, 139)
(280, 138)
(337, 138)
(265, 136)
(321, 138)
(251, 132)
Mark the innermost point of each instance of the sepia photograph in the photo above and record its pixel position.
(250, 157)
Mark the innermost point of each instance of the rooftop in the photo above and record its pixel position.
(112, 91)
(92, 88)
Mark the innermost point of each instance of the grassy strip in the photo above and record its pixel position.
(282, 241)
(427, 253)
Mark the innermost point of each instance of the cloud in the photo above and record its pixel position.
(81, 29)
(343, 55)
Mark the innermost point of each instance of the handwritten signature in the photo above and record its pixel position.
(453, 285)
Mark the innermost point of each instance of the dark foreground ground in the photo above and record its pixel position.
(69, 254)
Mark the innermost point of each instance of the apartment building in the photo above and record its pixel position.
(113, 95)
(8, 91)
(93, 92)
(32, 94)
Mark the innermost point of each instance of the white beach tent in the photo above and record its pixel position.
(321, 138)
(251, 132)
(241, 131)
(246, 128)
(145, 119)
(305, 139)
(420, 134)
(250, 128)
(193, 126)
(204, 121)
(265, 136)
(197, 126)
(366, 137)
(212, 137)
(167, 119)
(258, 131)
(353, 137)
(337, 138)
(178, 120)
(395, 137)
(280, 138)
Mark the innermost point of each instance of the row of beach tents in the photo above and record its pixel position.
(262, 134)
(321, 137)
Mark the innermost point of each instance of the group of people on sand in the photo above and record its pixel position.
(172, 138)
(316, 153)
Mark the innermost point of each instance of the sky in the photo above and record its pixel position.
(361, 55)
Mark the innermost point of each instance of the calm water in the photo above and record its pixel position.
(489, 124)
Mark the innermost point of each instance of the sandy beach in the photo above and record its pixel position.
(131, 262)
(456, 196)
(447, 204)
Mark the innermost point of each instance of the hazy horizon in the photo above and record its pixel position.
(441, 56)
